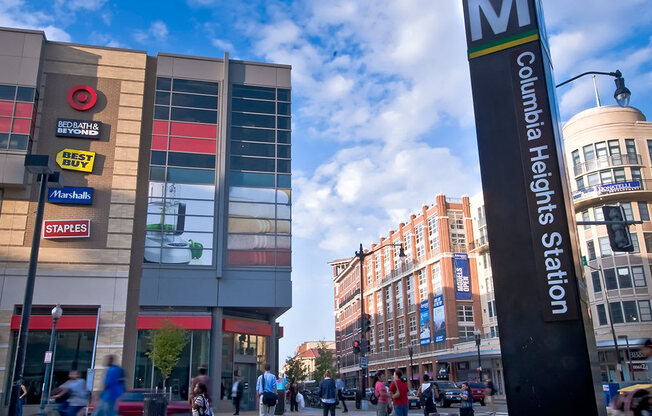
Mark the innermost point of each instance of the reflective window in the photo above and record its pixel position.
(255, 135)
(643, 211)
(602, 315)
(636, 174)
(251, 149)
(283, 122)
(283, 108)
(4, 140)
(192, 115)
(252, 120)
(161, 113)
(163, 83)
(610, 279)
(158, 158)
(25, 94)
(283, 166)
(18, 142)
(619, 175)
(644, 308)
(629, 310)
(284, 181)
(190, 175)
(624, 278)
(283, 94)
(283, 151)
(595, 277)
(253, 106)
(191, 160)
(198, 87)
(7, 92)
(190, 100)
(156, 174)
(616, 312)
(248, 91)
(252, 179)
(162, 98)
(255, 164)
(639, 276)
(283, 136)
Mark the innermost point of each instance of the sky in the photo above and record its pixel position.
(382, 113)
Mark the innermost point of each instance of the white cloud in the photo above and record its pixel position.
(224, 45)
(15, 13)
(75, 5)
(158, 31)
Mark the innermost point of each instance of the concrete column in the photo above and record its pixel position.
(272, 347)
(215, 370)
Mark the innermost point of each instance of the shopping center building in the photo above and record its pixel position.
(177, 168)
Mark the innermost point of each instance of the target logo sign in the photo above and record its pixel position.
(82, 97)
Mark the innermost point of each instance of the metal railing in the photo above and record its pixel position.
(479, 242)
(607, 161)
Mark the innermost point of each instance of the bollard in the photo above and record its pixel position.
(155, 404)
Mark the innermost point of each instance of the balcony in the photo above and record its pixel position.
(607, 161)
(611, 188)
(479, 243)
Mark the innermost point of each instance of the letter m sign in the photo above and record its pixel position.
(498, 19)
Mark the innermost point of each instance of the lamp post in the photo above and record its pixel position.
(42, 166)
(361, 255)
(411, 351)
(628, 362)
(622, 93)
(478, 338)
(56, 314)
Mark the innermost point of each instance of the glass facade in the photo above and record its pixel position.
(18, 107)
(259, 227)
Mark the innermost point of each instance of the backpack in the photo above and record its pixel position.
(269, 398)
(205, 409)
(426, 396)
(373, 399)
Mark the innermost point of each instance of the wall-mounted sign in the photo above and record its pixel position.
(611, 188)
(424, 324)
(439, 318)
(72, 159)
(66, 228)
(78, 128)
(462, 279)
(82, 97)
(71, 195)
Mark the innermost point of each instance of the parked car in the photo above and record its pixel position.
(132, 402)
(477, 389)
(413, 399)
(348, 394)
(448, 393)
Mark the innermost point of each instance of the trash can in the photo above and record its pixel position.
(155, 404)
(610, 391)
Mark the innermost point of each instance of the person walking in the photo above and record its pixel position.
(201, 405)
(114, 386)
(201, 377)
(380, 391)
(21, 398)
(266, 388)
(399, 392)
(466, 405)
(281, 385)
(75, 391)
(489, 392)
(327, 394)
(236, 393)
(294, 392)
(428, 394)
(340, 388)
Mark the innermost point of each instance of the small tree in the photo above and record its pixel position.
(165, 346)
(324, 362)
(294, 369)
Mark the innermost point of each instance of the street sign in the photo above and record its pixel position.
(363, 362)
(534, 251)
(47, 359)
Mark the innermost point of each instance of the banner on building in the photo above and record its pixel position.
(424, 334)
(439, 318)
(462, 279)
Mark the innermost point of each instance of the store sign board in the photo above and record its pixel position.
(79, 160)
(424, 327)
(78, 128)
(611, 188)
(462, 278)
(66, 228)
(71, 195)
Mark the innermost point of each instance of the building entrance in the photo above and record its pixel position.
(247, 374)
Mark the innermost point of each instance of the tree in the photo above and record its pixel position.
(325, 361)
(165, 346)
(294, 369)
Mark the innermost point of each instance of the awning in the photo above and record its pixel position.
(69, 323)
(186, 322)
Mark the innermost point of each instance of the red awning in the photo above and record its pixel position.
(44, 322)
(186, 322)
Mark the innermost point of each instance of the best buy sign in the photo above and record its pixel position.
(79, 160)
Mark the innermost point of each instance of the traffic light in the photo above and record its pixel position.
(619, 237)
(366, 323)
(356, 347)
(364, 346)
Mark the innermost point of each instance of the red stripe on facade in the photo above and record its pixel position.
(206, 131)
(251, 258)
(193, 145)
(246, 327)
(186, 322)
(159, 143)
(5, 124)
(38, 322)
(21, 125)
(161, 127)
(23, 110)
(6, 108)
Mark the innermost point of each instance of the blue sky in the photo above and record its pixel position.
(382, 109)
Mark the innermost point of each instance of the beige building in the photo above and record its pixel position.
(307, 353)
(608, 152)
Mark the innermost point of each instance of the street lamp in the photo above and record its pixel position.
(56, 314)
(622, 93)
(361, 255)
(478, 337)
(42, 166)
(411, 351)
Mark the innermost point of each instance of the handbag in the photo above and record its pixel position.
(373, 399)
(389, 408)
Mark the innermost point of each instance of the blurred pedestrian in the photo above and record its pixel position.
(399, 391)
(380, 391)
(266, 388)
(294, 392)
(646, 351)
(201, 405)
(202, 377)
(427, 395)
(236, 393)
(281, 385)
(114, 386)
(21, 398)
(73, 393)
(340, 389)
(466, 405)
(327, 394)
(489, 392)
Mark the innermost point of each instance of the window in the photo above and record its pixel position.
(381, 333)
(408, 245)
(610, 279)
(605, 247)
(648, 242)
(643, 211)
(580, 183)
(629, 310)
(637, 248)
(614, 149)
(636, 174)
(619, 175)
(602, 315)
(616, 313)
(644, 308)
(629, 213)
(638, 275)
(589, 153)
(437, 288)
(423, 285)
(576, 161)
(649, 148)
(418, 235)
(598, 213)
(595, 277)
(413, 324)
(624, 278)
(388, 299)
(390, 331)
(387, 259)
(433, 233)
(401, 328)
(464, 313)
(594, 179)
(590, 249)
(630, 146)
(605, 176)
(601, 152)
(410, 291)
(465, 332)
(586, 217)
(490, 309)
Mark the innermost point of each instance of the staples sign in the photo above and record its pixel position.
(66, 228)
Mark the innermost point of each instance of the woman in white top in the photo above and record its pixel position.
(430, 397)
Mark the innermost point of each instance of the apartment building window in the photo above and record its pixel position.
(401, 333)
(410, 291)
(399, 296)
(388, 299)
(379, 302)
(590, 249)
(595, 277)
(610, 279)
(624, 278)
(418, 236)
(645, 311)
(464, 313)
(370, 307)
(408, 246)
(648, 242)
(602, 315)
(638, 275)
(437, 288)
(605, 176)
(630, 311)
(488, 282)
(390, 331)
(580, 183)
(423, 285)
(465, 332)
(649, 148)
(387, 259)
(586, 217)
(486, 260)
(598, 214)
(643, 211)
(619, 174)
(377, 266)
(630, 147)
(433, 233)
(381, 346)
(629, 213)
(605, 247)
(636, 174)
(412, 321)
(490, 308)
(616, 313)
(637, 248)
(370, 276)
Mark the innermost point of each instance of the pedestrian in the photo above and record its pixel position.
(294, 392)
(380, 391)
(201, 405)
(236, 393)
(489, 391)
(21, 398)
(646, 351)
(202, 377)
(340, 388)
(327, 394)
(466, 405)
(114, 386)
(266, 388)
(74, 395)
(428, 394)
(281, 384)
(399, 392)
